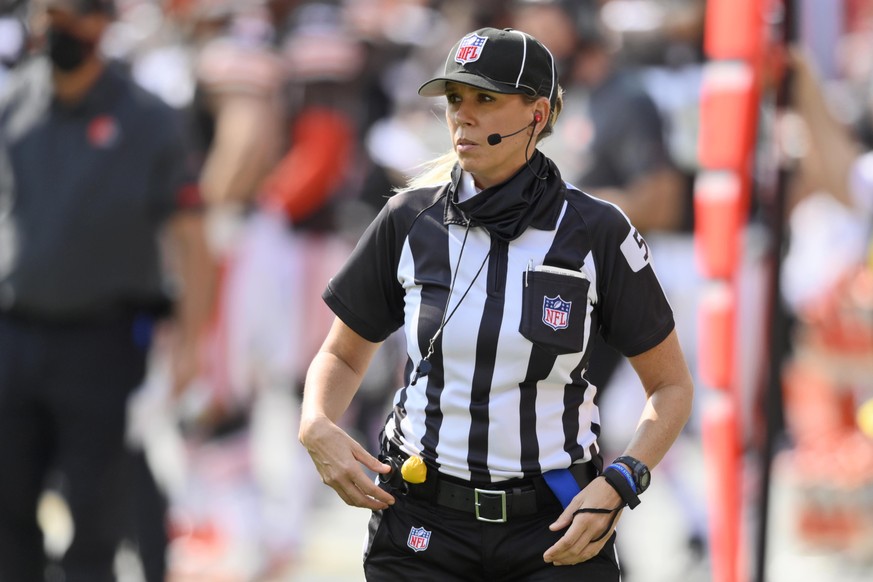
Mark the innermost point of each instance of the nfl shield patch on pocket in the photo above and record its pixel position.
(418, 539)
(556, 312)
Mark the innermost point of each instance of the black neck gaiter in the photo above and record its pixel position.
(507, 209)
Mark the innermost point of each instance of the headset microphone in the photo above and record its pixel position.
(496, 138)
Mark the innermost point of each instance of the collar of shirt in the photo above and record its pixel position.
(508, 209)
(467, 187)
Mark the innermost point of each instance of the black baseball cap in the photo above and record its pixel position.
(503, 61)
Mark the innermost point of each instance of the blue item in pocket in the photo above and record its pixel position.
(563, 485)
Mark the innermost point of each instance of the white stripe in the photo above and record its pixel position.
(524, 60)
(523, 57)
(552, 89)
(416, 401)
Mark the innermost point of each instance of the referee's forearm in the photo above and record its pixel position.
(329, 388)
(661, 422)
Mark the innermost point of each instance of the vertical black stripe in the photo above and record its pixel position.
(574, 396)
(571, 244)
(430, 255)
(486, 357)
(538, 368)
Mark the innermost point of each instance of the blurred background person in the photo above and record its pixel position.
(617, 144)
(95, 185)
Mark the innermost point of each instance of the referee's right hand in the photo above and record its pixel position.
(339, 459)
(586, 533)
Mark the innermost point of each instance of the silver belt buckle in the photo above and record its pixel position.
(490, 493)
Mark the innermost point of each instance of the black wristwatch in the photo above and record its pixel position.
(640, 472)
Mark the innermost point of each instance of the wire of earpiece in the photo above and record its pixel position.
(537, 119)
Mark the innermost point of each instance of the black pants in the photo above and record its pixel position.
(63, 399)
(460, 548)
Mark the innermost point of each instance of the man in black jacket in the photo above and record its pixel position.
(92, 175)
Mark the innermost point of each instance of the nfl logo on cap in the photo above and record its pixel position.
(470, 48)
(556, 312)
(419, 538)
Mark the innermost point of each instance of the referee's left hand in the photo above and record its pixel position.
(575, 545)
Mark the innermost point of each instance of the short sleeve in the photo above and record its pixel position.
(634, 311)
(366, 294)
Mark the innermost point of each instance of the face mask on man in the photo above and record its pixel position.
(67, 51)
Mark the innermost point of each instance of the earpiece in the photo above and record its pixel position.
(538, 117)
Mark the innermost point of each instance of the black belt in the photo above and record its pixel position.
(491, 503)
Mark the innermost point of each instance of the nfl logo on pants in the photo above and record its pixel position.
(418, 539)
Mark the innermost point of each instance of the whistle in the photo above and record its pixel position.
(422, 370)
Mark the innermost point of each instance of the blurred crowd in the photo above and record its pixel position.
(303, 116)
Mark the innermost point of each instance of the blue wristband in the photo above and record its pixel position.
(627, 475)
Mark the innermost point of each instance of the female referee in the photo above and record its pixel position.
(499, 273)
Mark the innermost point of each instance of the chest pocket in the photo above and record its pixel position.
(554, 307)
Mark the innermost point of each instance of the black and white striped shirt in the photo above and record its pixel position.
(496, 405)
